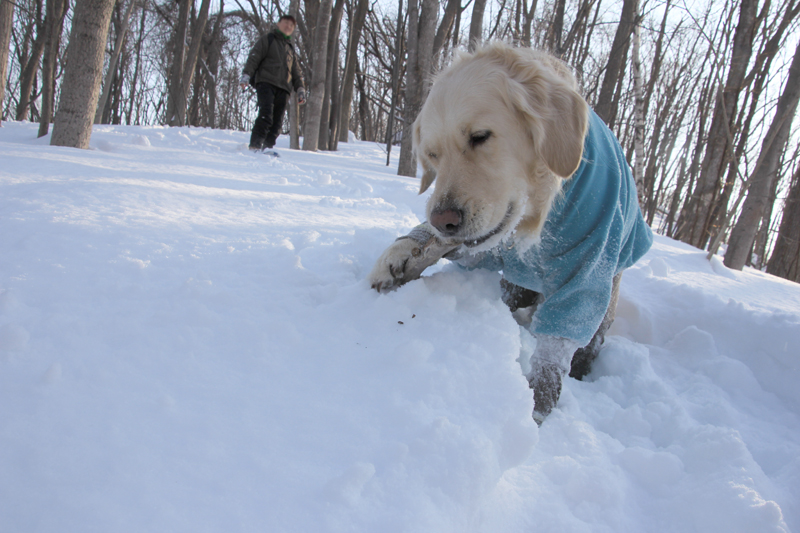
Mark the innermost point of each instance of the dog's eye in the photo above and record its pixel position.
(432, 155)
(479, 137)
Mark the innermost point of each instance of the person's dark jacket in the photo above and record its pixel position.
(273, 60)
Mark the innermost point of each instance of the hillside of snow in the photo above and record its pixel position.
(188, 344)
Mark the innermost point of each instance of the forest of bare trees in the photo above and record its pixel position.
(702, 95)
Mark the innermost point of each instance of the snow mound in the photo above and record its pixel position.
(187, 343)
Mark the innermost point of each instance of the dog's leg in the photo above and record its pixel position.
(549, 364)
(521, 302)
(407, 257)
(516, 297)
(584, 357)
(546, 385)
(555, 356)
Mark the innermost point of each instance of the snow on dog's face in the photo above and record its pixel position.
(499, 131)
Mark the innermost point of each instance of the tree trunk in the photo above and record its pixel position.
(6, 18)
(762, 237)
(214, 53)
(571, 43)
(785, 259)
(674, 202)
(694, 167)
(407, 166)
(189, 66)
(475, 25)
(420, 63)
(193, 115)
(744, 233)
(527, 24)
(606, 103)
(332, 64)
(54, 25)
(318, 75)
(356, 27)
(450, 12)
(755, 81)
(122, 31)
(137, 67)
(638, 110)
(398, 62)
(557, 28)
(427, 34)
(363, 106)
(294, 108)
(29, 72)
(695, 218)
(82, 73)
(336, 97)
(176, 74)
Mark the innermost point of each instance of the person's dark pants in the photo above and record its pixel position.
(271, 106)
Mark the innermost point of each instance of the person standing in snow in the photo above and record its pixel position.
(272, 68)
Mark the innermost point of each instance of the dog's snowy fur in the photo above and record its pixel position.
(499, 131)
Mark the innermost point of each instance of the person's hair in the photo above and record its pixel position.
(288, 17)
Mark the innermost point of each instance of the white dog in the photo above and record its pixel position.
(528, 180)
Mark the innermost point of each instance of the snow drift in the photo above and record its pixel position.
(187, 343)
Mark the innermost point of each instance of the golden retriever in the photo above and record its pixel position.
(501, 133)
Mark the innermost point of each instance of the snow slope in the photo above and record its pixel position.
(187, 343)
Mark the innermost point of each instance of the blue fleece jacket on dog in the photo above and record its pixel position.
(594, 231)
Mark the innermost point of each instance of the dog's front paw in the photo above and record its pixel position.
(545, 380)
(398, 264)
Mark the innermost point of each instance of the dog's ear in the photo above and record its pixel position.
(428, 174)
(545, 93)
(565, 130)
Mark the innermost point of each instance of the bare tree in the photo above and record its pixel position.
(112, 63)
(766, 171)
(527, 23)
(397, 65)
(178, 55)
(294, 108)
(758, 259)
(475, 25)
(356, 27)
(53, 26)
(556, 28)
(606, 105)
(185, 64)
(211, 66)
(6, 19)
(31, 66)
(696, 215)
(137, 64)
(638, 108)
(421, 32)
(407, 166)
(318, 75)
(331, 72)
(82, 74)
(785, 259)
(451, 12)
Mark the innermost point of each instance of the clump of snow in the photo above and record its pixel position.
(187, 342)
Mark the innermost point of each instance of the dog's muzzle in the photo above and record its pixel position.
(501, 228)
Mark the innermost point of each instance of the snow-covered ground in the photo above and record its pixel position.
(188, 344)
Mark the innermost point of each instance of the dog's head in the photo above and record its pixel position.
(499, 131)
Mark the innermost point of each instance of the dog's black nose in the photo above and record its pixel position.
(447, 221)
